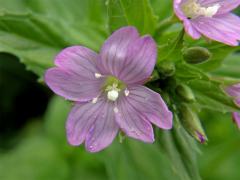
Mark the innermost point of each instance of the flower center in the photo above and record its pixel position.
(112, 92)
(113, 87)
(192, 9)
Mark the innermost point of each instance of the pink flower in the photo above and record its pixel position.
(234, 91)
(211, 18)
(108, 90)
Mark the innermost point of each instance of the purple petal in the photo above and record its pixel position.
(93, 123)
(127, 56)
(74, 79)
(218, 29)
(191, 30)
(114, 51)
(150, 105)
(139, 64)
(132, 122)
(237, 101)
(234, 90)
(225, 5)
(178, 10)
(79, 60)
(236, 118)
(140, 107)
(73, 86)
(232, 21)
(80, 120)
(103, 131)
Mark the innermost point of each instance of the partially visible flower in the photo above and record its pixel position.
(236, 118)
(211, 18)
(234, 91)
(108, 90)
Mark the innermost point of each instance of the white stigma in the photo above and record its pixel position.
(112, 95)
(97, 75)
(112, 92)
(193, 9)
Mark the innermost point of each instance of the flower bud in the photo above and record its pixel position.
(166, 68)
(154, 76)
(192, 123)
(185, 93)
(196, 55)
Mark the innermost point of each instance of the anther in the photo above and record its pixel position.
(126, 92)
(94, 100)
(97, 75)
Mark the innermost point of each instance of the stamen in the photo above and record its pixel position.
(94, 100)
(97, 75)
(126, 92)
(192, 9)
(115, 109)
(210, 11)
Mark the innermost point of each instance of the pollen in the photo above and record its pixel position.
(192, 9)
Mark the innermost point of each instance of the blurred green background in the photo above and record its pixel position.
(32, 134)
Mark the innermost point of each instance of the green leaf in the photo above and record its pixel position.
(35, 33)
(188, 149)
(229, 67)
(55, 119)
(137, 161)
(116, 15)
(35, 158)
(166, 141)
(221, 157)
(210, 95)
(186, 72)
(162, 8)
(171, 51)
(125, 12)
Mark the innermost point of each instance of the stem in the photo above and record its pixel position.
(165, 24)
